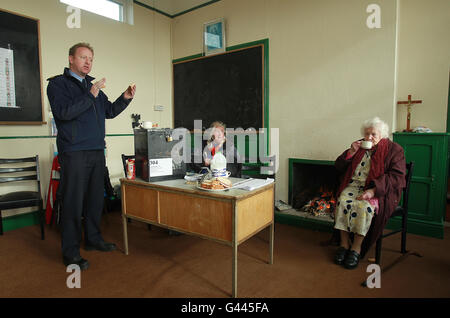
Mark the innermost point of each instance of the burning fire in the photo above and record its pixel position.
(324, 203)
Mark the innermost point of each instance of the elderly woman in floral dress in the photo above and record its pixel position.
(370, 189)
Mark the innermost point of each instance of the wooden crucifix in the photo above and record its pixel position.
(408, 104)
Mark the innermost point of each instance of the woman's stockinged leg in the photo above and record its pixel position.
(357, 242)
(345, 239)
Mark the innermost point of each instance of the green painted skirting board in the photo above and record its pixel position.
(414, 227)
(417, 227)
(308, 223)
(18, 221)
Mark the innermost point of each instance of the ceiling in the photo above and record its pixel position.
(174, 8)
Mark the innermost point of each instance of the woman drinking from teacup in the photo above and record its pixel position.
(373, 176)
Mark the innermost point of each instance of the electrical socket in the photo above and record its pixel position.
(159, 108)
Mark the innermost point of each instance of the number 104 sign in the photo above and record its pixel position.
(160, 167)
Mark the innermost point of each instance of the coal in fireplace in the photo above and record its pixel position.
(312, 186)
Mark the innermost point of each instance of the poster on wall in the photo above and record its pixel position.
(7, 87)
(21, 97)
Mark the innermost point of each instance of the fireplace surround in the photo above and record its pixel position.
(314, 175)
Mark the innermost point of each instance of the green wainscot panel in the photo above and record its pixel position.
(21, 220)
(423, 155)
(419, 206)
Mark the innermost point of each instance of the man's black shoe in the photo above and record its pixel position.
(83, 263)
(100, 246)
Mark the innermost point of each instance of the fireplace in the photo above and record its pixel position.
(312, 187)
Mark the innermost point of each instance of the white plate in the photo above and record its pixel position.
(212, 190)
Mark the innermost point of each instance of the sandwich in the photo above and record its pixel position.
(206, 184)
(225, 182)
(218, 183)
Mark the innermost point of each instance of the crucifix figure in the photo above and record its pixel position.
(408, 104)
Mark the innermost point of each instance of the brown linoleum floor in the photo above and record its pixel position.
(168, 266)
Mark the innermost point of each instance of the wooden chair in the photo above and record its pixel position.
(124, 162)
(402, 211)
(19, 171)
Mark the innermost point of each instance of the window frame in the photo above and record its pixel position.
(125, 10)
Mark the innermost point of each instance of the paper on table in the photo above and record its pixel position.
(254, 184)
(160, 167)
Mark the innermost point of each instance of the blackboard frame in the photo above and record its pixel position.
(22, 33)
(264, 44)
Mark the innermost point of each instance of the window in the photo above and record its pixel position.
(119, 10)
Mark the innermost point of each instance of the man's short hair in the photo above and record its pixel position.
(74, 48)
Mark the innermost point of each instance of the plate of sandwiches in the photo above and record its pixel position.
(215, 184)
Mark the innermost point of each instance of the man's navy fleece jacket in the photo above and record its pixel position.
(79, 116)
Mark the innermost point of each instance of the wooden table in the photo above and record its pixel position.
(228, 217)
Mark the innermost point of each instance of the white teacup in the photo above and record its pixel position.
(366, 144)
(220, 173)
(147, 125)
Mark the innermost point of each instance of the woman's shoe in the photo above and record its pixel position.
(351, 260)
(339, 257)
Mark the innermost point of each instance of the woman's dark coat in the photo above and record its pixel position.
(388, 186)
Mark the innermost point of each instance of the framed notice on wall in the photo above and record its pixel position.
(214, 37)
(21, 98)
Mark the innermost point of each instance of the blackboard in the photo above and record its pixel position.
(20, 35)
(227, 87)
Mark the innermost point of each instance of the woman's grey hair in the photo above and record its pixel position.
(378, 124)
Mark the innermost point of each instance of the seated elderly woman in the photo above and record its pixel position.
(373, 171)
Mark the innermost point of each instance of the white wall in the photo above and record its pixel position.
(328, 71)
(424, 62)
(139, 53)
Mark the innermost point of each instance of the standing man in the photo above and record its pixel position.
(80, 109)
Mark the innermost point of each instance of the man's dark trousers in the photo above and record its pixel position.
(82, 182)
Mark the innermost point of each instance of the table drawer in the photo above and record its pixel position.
(208, 217)
(140, 202)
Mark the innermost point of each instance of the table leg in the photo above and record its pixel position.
(234, 292)
(235, 248)
(125, 233)
(272, 226)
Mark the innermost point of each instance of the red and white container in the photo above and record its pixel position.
(131, 169)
